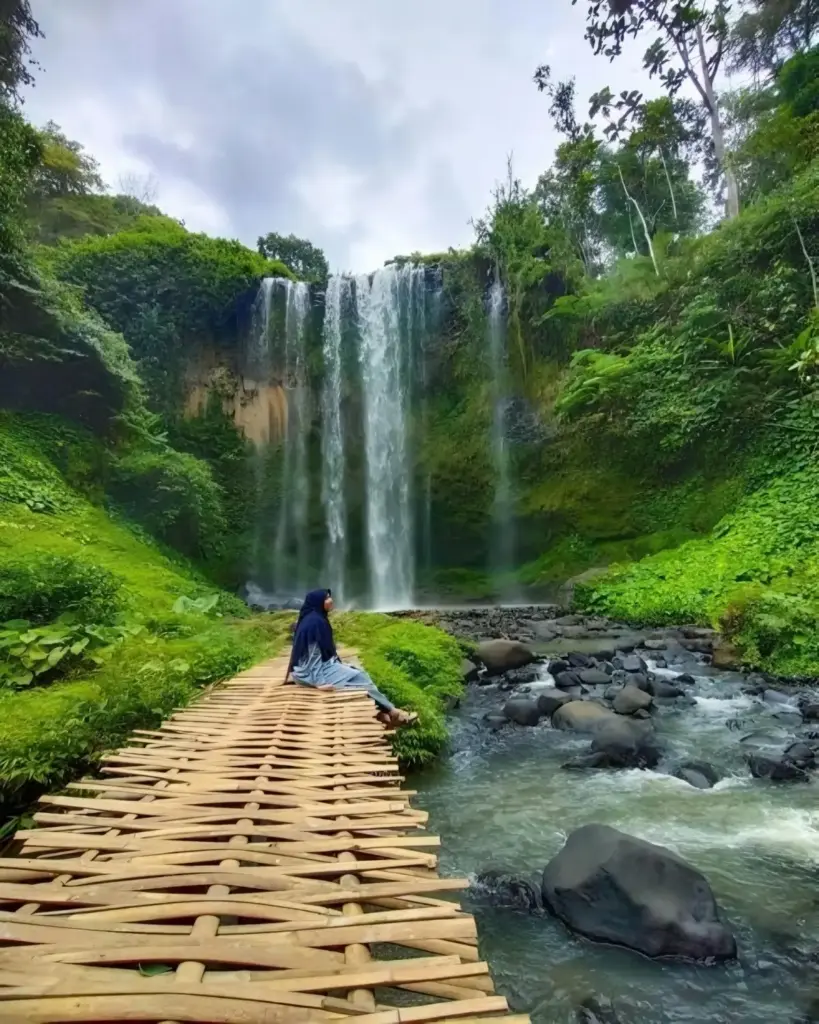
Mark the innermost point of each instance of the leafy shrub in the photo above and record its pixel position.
(42, 588)
(174, 496)
(36, 653)
(165, 289)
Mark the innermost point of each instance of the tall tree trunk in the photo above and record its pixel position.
(670, 186)
(636, 206)
(717, 133)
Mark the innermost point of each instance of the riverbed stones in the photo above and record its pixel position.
(469, 671)
(508, 889)
(615, 888)
(522, 711)
(567, 680)
(581, 716)
(667, 691)
(594, 677)
(499, 656)
(631, 699)
(699, 774)
(629, 663)
(626, 743)
(548, 701)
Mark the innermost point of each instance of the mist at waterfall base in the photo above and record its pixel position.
(343, 498)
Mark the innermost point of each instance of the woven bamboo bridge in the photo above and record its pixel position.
(254, 861)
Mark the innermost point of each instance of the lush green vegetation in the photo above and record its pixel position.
(417, 667)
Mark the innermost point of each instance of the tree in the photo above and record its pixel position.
(302, 257)
(566, 192)
(66, 169)
(690, 46)
(17, 28)
(768, 32)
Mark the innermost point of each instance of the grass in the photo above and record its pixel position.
(755, 575)
(418, 667)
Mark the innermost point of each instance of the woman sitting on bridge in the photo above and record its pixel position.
(315, 662)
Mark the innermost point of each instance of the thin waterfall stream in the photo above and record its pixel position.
(333, 480)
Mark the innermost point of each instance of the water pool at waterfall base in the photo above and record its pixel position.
(500, 800)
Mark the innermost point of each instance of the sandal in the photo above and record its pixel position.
(410, 718)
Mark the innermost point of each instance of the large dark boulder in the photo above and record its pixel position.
(501, 656)
(626, 743)
(665, 691)
(615, 888)
(522, 711)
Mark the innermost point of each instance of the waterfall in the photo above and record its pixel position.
(428, 302)
(291, 547)
(502, 542)
(385, 364)
(332, 441)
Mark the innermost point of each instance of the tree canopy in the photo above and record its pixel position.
(305, 260)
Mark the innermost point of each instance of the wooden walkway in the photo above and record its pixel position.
(253, 862)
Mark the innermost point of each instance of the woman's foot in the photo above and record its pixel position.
(399, 717)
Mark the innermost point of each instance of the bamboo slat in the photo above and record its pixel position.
(243, 864)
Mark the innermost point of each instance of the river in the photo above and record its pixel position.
(500, 800)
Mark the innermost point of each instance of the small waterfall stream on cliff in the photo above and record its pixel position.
(291, 547)
(332, 439)
(385, 383)
(502, 542)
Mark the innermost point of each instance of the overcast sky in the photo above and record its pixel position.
(372, 127)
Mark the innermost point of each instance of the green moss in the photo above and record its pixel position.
(417, 667)
(756, 574)
(60, 553)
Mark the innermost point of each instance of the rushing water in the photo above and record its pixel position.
(385, 382)
(291, 546)
(501, 800)
(332, 439)
(503, 537)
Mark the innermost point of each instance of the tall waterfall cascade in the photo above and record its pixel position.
(346, 492)
(291, 546)
(502, 545)
(333, 477)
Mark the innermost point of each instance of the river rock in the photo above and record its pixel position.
(595, 677)
(581, 716)
(508, 889)
(776, 697)
(810, 711)
(631, 699)
(615, 888)
(504, 655)
(725, 654)
(660, 688)
(597, 1011)
(626, 743)
(698, 774)
(777, 769)
(630, 663)
(567, 680)
(522, 711)
(548, 701)
(469, 671)
(495, 721)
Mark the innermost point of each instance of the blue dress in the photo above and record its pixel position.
(315, 672)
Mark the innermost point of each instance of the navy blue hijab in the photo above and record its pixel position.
(313, 627)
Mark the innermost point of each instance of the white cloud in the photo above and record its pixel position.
(370, 127)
